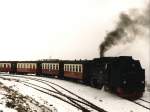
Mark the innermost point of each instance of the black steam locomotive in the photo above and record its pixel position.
(122, 75)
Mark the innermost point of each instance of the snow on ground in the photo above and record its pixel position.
(105, 100)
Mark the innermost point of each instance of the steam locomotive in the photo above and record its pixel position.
(122, 75)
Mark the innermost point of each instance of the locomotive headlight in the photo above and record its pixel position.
(124, 82)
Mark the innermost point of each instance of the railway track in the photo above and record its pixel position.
(142, 105)
(74, 100)
(145, 100)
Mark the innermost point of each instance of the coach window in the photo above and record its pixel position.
(79, 68)
(53, 67)
(76, 68)
(4, 65)
(67, 67)
(43, 65)
(47, 66)
(70, 68)
(73, 68)
(29, 66)
(25, 65)
(33, 66)
(50, 66)
(56, 66)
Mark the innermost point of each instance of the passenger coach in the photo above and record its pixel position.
(76, 70)
(51, 68)
(24, 67)
(5, 66)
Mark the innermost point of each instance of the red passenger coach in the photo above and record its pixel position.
(51, 68)
(27, 67)
(75, 69)
(5, 66)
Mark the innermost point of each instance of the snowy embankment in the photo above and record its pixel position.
(35, 99)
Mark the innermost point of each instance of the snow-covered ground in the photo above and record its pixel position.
(18, 87)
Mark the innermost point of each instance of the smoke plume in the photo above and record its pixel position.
(131, 25)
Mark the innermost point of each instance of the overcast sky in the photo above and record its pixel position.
(64, 29)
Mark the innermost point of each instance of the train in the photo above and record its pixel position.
(121, 75)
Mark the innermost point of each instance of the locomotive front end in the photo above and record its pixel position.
(132, 80)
